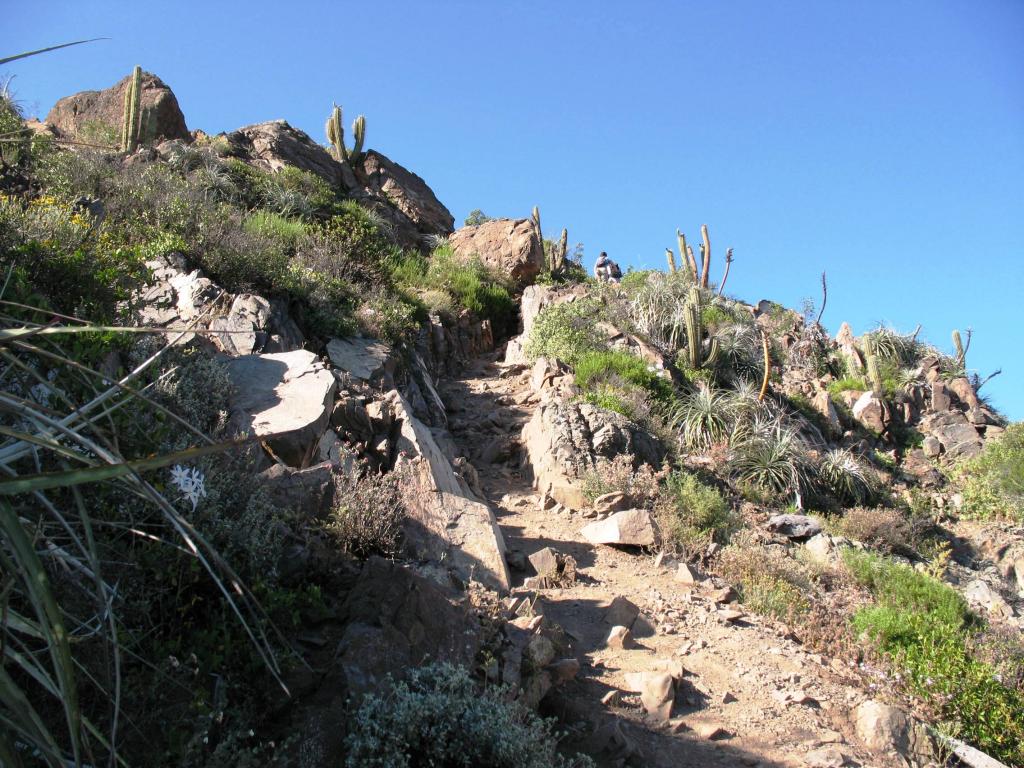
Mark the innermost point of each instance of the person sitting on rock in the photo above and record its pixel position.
(606, 270)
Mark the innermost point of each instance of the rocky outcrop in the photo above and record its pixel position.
(94, 116)
(364, 358)
(386, 180)
(275, 144)
(288, 395)
(446, 523)
(509, 246)
(254, 324)
(565, 440)
(889, 730)
(395, 621)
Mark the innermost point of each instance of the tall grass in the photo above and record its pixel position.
(55, 592)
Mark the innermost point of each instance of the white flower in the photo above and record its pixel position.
(190, 482)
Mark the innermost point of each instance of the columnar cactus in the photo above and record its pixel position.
(335, 131)
(961, 353)
(131, 124)
(705, 255)
(671, 258)
(696, 356)
(686, 254)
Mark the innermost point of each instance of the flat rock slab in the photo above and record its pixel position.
(446, 522)
(288, 395)
(363, 358)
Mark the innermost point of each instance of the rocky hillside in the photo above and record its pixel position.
(300, 475)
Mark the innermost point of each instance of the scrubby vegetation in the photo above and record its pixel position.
(439, 717)
(924, 626)
(994, 481)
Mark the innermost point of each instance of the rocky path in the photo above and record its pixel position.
(746, 695)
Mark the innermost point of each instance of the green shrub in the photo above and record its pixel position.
(692, 514)
(473, 286)
(439, 718)
(924, 626)
(993, 481)
(852, 383)
(368, 514)
(274, 226)
(565, 331)
(769, 581)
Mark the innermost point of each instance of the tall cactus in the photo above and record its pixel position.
(961, 353)
(671, 258)
(535, 218)
(705, 255)
(563, 249)
(335, 131)
(131, 123)
(696, 356)
(686, 254)
(871, 362)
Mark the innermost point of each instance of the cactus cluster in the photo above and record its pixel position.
(335, 131)
(699, 275)
(697, 358)
(131, 124)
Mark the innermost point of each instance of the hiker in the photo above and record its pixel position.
(606, 270)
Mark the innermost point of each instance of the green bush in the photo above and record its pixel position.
(274, 226)
(368, 514)
(769, 581)
(565, 331)
(924, 626)
(993, 482)
(439, 718)
(692, 514)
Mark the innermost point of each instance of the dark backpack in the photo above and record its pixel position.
(616, 272)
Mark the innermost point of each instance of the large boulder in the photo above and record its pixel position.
(889, 730)
(958, 437)
(566, 440)
(96, 116)
(387, 180)
(288, 395)
(509, 246)
(631, 527)
(275, 144)
(446, 522)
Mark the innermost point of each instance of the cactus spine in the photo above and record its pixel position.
(335, 130)
(696, 356)
(671, 258)
(131, 125)
(871, 362)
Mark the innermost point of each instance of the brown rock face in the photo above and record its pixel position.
(90, 116)
(410, 194)
(509, 246)
(275, 144)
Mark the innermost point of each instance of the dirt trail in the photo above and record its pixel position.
(737, 673)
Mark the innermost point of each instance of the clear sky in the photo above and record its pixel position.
(880, 140)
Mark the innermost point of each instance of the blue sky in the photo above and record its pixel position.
(882, 142)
